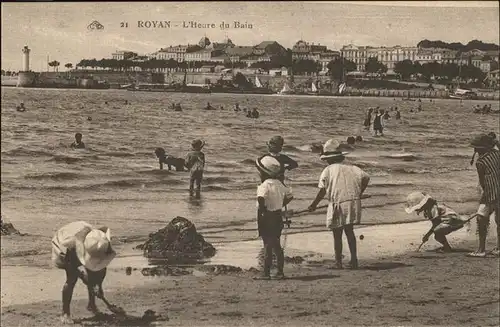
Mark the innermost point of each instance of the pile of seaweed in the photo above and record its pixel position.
(178, 242)
(8, 228)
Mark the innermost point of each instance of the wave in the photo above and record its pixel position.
(219, 179)
(20, 152)
(54, 176)
(117, 154)
(411, 170)
(248, 162)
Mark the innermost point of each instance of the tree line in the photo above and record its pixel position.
(442, 71)
(457, 46)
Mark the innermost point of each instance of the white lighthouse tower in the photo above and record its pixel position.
(25, 77)
(26, 58)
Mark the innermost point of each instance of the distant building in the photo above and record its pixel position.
(304, 50)
(238, 53)
(271, 48)
(176, 53)
(123, 55)
(388, 56)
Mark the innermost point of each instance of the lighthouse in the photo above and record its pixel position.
(26, 58)
(25, 77)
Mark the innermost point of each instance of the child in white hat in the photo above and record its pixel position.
(83, 252)
(444, 219)
(343, 186)
(272, 196)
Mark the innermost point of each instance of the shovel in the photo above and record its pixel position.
(113, 308)
(463, 223)
(295, 213)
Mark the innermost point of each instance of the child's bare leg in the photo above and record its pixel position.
(280, 257)
(351, 240)
(337, 246)
(482, 227)
(441, 238)
(268, 256)
(67, 293)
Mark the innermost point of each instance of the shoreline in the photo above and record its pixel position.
(353, 93)
(403, 289)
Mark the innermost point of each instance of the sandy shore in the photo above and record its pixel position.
(395, 286)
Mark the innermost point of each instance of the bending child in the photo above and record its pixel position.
(444, 220)
(83, 252)
(272, 196)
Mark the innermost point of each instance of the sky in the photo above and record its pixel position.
(59, 30)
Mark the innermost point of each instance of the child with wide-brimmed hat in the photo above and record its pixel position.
(343, 185)
(272, 196)
(83, 252)
(444, 219)
(195, 162)
(488, 170)
(275, 146)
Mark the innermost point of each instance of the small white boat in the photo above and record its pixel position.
(314, 88)
(463, 94)
(342, 88)
(257, 82)
(286, 90)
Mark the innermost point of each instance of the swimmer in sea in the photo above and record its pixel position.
(21, 107)
(78, 144)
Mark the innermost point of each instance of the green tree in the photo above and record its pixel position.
(338, 67)
(373, 66)
(404, 68)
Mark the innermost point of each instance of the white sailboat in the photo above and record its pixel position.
(286, 90)
(342, 88)
(257, 82)
(313, 87)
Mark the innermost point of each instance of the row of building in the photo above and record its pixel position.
(389, 56)
(227, 51)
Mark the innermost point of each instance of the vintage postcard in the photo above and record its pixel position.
(270, 163)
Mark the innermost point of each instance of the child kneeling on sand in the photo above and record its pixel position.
(272, 196)
(83, 252)
(444, 220)
(343, 185)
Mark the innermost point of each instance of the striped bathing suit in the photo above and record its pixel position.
(488, 169)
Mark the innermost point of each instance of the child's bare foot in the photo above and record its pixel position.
(93, 309)
(66, 319)
(353, 265)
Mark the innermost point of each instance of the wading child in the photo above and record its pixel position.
(488, 170)
(78, 144)
(377, 123)
(83, 252)
(272, 196)
(444, 220)
(368, 119)
(343, 186)
(275, 146)
(195, 162)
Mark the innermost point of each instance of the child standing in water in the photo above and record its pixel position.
(272, 196)
(377, 123)
(195, 162)
(368, 119)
